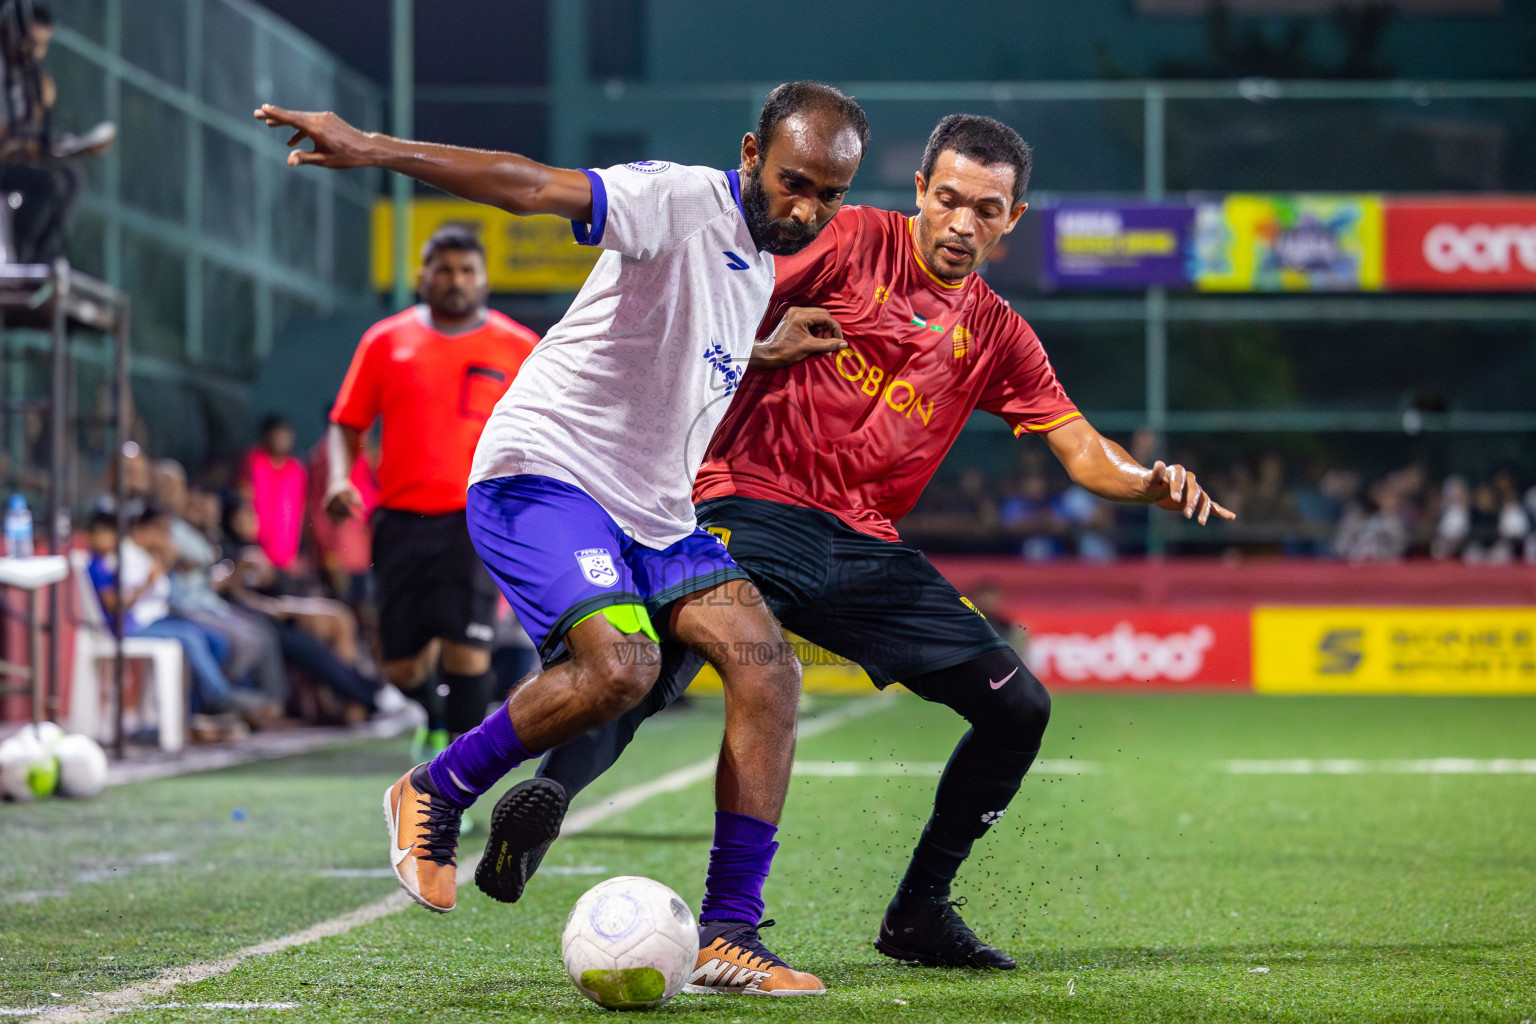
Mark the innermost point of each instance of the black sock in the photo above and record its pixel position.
(464, 707)
(978, 783)
(425, 693)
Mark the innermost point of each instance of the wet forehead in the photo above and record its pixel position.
(972, 179)
(817, 145)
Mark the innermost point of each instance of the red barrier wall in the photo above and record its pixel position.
(1163, 584)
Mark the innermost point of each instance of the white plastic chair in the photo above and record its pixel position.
(94, 645)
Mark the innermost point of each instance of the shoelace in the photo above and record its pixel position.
(748, 941)
(440, 832)
(950, 917)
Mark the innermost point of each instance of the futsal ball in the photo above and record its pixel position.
(630, 943)
(45, 733)
(82, 766)
(28, 770)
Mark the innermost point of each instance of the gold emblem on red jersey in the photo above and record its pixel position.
(962, 340)
(882, 293)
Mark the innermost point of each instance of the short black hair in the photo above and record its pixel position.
(451, 238)
(810, 97)
(983, 139)
(150, 514)
(272, 422)
(41, 15)
(101, 519)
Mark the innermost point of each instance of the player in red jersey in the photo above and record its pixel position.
(825, 450)
(433, 373)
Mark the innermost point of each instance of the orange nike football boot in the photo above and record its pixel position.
(423, 840)
(734, 962)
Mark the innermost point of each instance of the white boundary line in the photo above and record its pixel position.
(103, 1006)
(1356, 766)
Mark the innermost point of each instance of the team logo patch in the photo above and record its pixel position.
(597, 566)
(649, 166)
(721, 534)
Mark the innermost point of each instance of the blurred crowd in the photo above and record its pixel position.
(1324, 512)
(267, 596)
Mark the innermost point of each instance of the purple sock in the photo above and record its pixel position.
(477, 760)
(738, 867)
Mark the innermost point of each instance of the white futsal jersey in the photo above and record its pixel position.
(622, 395)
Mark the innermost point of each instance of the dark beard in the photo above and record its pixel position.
(776, 237)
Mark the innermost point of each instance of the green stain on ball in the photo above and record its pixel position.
(632, 988)
(43, 777)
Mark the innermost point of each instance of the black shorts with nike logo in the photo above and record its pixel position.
(878, 603)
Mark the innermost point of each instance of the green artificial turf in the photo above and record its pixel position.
(1153, 886)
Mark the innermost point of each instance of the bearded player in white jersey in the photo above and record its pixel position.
(580, 496)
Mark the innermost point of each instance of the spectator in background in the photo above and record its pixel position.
(139, 590)
(1380, 536)
(255, 584)
(1514, 520)
(1454, 523)
(33, 164)
(275, 483)
(964, 515)
(254, 647)
(1037, 519)
(1091, 520)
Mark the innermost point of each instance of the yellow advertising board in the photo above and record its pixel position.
(1395, 650)
(1297, 243)
(821, 672)
(522, 254)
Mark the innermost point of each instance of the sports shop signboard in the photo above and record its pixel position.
(1283, 243)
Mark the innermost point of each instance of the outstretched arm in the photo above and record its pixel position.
(513, 183)
(1101, 466)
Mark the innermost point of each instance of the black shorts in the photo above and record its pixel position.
(875, 602)
(429, 583)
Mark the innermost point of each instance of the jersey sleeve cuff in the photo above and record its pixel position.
(593, 234)
(1036, 428)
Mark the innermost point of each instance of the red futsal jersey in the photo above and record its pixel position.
(435, 392)
(860, 433)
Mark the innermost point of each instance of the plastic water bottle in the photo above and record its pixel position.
(18, 528)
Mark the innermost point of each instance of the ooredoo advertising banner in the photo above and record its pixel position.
(1138, 647)
(1461, 244)
(1300, 243)
(1117, 245)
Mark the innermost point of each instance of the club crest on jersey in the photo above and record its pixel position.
(648, 166)
(597, 566)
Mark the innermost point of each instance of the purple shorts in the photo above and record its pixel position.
(558, 557)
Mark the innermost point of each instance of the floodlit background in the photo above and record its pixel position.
(1289, 243)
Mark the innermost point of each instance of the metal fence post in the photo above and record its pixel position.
(1156, 313)
(403, 99)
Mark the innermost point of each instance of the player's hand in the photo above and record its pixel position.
(343, 502)
(804, 332)
(1176, 489)
(338, 145)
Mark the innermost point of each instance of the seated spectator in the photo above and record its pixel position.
(254, 648)
(961, 516)
(1514, 521)
(1039, 519)
(1092, 522)
(1454, 523)
(139, 590)
(1382, 535)
(255, 583)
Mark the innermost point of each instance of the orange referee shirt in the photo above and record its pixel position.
(435, 392)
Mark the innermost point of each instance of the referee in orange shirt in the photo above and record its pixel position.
(433, 372)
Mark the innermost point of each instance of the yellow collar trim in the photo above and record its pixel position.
(935, 278)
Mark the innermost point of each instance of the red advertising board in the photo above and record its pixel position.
(1134, 646)
(1461, 244)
